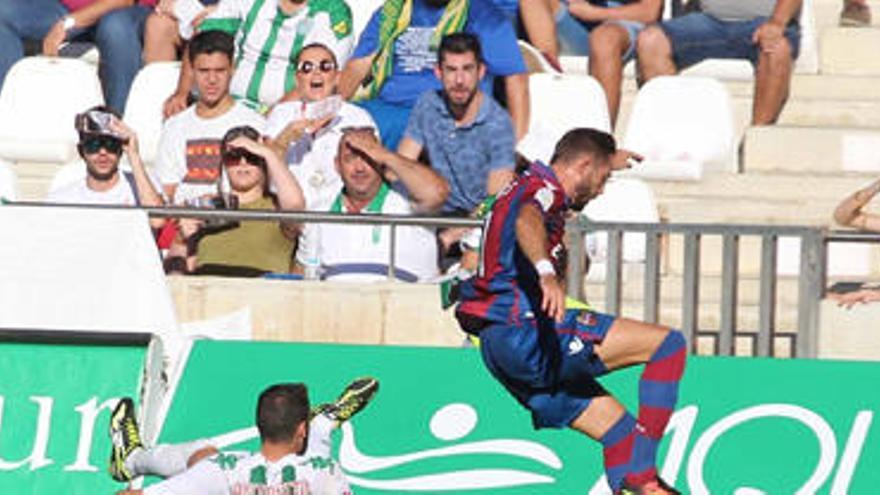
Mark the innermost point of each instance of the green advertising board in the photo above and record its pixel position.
(55, 403)
(440, 423)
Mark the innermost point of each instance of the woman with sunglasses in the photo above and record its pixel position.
(258, 180)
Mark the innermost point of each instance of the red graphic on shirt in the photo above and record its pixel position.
(202, 161)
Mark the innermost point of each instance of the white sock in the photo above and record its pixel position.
(320, 442)
(163, 460)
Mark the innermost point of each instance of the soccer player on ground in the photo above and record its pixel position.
(547, 357)
(294, 452)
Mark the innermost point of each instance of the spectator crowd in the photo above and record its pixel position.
(281, 106)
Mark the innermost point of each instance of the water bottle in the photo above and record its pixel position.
(312, 269)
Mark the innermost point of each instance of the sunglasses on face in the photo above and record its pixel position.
(324, 66)
(233, 156)
(93, 144)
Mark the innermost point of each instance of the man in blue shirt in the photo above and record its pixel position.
(393, 63)
(468, 137)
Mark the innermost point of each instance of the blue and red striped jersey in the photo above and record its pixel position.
(506, 287)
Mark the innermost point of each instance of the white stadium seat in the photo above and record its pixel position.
(38, 103)
(8, 182)
(143, 112)
(682, 125)
(559, 103)
(624, 200)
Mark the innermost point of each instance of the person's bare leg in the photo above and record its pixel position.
(772, 80)
(539, 19)
(161, 39)
(608, 44)
(654, 54)
(630, 342)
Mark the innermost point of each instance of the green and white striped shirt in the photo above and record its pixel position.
(268, 41)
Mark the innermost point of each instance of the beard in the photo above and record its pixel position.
(458, 109)
(102, 176)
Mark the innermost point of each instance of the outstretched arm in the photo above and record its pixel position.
(531, 235)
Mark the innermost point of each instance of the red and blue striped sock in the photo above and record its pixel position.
(617, 445)
(658, 393)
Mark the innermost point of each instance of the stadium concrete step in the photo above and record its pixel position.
(825, 150)
(850, 51)
(755, 186)
(34, 179)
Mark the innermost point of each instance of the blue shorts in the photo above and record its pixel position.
(697, 36)
(574, 34)
(549, 368)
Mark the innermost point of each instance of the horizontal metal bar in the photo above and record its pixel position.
(851, 236)
(74, 337)
(273, 215)
(703, 228)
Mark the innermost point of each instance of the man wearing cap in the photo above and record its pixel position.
(103, 138)
(375, 181)
(258, 180)
(308, 123)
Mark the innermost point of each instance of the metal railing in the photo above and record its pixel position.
(811, 274)
(811, 279)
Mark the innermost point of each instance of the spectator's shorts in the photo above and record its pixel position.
(574, 34)
(697, 36)
(549, 368)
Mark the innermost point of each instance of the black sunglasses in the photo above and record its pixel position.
(93, 144)
(325, 66)
(233, 156)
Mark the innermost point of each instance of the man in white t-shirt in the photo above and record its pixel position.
(294, 455)
(103, 138)
(315, 104)
(375, 181)
(188, 160)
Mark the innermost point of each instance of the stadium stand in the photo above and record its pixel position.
(8, 182)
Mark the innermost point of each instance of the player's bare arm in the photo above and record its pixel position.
(532, 239)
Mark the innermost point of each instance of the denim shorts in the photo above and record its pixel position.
(697, 36)
(574, 34)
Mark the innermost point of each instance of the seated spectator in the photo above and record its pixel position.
(251, 247)
(361, 252)
(115, 26)
(394, 61)
(309, 141)
(270, 34)
(188, 159)
(164, 33)
(103, 138)
(855, 13)
(766, 33)
(847, 300)
(468, 137)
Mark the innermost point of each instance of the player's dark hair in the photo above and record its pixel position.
(280, 410)
(581, 141)
(315, 45)
(208, 42)
(460, 43)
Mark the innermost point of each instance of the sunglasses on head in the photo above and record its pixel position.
(93, 144)
(233, 156)
(325, 66)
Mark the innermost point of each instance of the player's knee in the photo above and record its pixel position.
(200, 454)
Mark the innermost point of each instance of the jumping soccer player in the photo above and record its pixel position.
(294, 454)
(547, 357)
